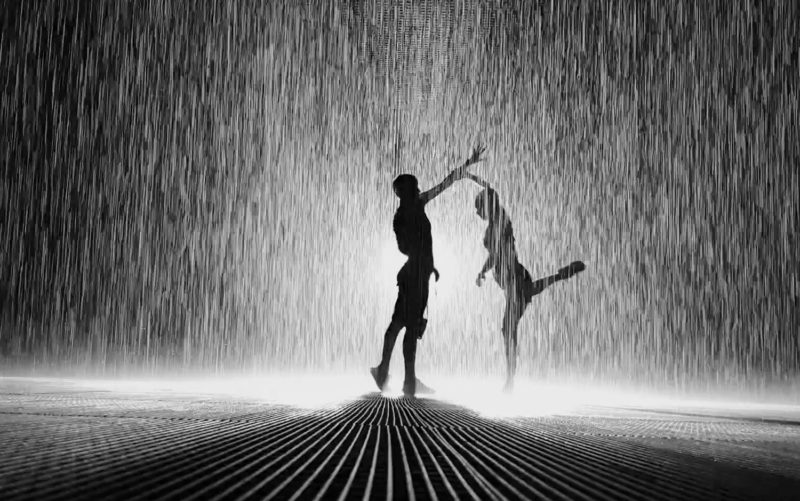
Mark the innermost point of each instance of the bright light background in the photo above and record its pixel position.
(463, 320)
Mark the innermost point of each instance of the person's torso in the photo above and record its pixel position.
(499, 241)
(413, 232)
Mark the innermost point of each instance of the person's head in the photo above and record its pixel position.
(406, 187)
(487, 204)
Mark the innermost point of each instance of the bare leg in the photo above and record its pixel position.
(381, 372)
(514, 310)
(538, 286)
(515, 307)
(389, 338)
(571, 269)
(417, 299)
(409, 357)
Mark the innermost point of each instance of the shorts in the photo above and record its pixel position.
(413, 286)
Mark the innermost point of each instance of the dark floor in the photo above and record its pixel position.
(67, 443)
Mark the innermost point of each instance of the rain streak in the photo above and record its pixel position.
(206, 186)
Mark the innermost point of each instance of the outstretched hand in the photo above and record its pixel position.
(475, 157)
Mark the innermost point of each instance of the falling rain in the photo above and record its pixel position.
(192, 186)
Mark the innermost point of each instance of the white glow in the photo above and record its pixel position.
(305, 391)
(309, 391)
(531, 398)
(488, 399)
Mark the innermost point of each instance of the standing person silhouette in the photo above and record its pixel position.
(412, 230)
(509, 273)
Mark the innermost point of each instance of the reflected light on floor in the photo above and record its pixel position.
(488, 399)
(484, 396)
(304, 391)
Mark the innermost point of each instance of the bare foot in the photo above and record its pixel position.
(380, 377)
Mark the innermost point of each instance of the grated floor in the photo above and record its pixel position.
(68, 444)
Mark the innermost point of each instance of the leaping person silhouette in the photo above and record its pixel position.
(509, 273)
(413, 232)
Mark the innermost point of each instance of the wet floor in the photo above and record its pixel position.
(61, 441)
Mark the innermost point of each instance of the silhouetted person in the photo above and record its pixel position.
(509, 273)
(413, 232)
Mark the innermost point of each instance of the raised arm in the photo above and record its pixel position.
(478, 180)
(439, 188)
(455, 175)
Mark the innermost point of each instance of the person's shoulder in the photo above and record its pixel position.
(410, 209)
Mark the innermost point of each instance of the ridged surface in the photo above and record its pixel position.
(102, 445)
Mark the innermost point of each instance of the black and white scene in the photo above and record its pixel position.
(399, 249)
